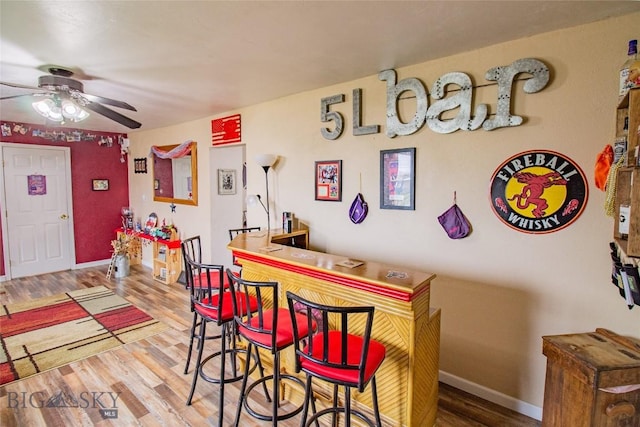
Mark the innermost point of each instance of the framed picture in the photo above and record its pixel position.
(140, 165)
(226, 181)
(328, 180)
(100, 184)
(397, 178)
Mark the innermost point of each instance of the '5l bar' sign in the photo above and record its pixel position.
(461, 100)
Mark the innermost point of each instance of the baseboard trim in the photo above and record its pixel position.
(496, 397)
(91, 264)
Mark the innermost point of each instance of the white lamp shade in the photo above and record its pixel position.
(252, 200)
(266, 160)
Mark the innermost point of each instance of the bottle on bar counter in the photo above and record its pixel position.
(287, 222)
(630, 71)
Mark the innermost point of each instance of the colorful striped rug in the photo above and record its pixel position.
(49, 332)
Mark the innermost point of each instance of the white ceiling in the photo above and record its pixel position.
(177, 61)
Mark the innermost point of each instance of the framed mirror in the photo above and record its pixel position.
(175, 178)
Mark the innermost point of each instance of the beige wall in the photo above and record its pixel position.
(500, 290)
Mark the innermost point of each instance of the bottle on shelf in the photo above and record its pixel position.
(630, 71)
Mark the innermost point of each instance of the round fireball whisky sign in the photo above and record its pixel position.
(538, 192)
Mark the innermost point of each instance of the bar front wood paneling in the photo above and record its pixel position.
(404, 322)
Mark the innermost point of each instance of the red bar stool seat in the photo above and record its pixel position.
(270, 328)
(337, 355)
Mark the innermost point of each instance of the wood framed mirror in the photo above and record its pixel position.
(175, 178)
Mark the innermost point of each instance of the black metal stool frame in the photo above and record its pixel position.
(202, 298)
(246, 326)
(304, 351)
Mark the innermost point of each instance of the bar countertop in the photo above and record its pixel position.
(385, 279)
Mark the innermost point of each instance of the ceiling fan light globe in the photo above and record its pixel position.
(42, 107)
(82, 114)
(69, 109)
(55, 114)
(73, 112)
(48, 109)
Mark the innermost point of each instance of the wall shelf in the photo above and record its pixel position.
(628, 178)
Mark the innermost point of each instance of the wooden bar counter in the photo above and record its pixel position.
(403, 322)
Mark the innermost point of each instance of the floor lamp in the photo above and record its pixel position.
(266, 161)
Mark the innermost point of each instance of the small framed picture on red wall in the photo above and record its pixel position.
(100, 184)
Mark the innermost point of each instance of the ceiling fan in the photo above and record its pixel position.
(65, 91)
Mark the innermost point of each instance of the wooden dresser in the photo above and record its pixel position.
(404, 322)
(593, 379)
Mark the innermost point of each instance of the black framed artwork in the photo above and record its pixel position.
(397, 178)
(140, 165)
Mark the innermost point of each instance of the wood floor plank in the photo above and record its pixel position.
(148, 374)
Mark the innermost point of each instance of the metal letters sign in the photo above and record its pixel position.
(460, 100)
(538, 192)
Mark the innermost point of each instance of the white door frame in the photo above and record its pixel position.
(3, 204)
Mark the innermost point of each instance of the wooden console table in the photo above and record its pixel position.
(167, 256)
(403, 322)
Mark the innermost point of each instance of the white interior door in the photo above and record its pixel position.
(37, 188)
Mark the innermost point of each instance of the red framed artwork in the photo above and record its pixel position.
(328, 180)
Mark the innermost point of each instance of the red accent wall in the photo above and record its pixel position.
(96, 214)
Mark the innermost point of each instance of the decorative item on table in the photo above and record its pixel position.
(152, 222)
(165, 232)
(127, 218)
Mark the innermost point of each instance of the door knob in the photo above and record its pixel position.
(63, 216)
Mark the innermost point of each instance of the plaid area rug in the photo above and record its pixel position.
(49, 332)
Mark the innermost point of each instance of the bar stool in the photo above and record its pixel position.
(212, 302)
(192, 249)
(270, 329)
(233, 232)
(337, 356)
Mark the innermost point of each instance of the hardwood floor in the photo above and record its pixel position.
(148, 374)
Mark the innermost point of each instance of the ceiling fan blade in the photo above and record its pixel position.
(19, 86)
(18, 96)
(112, 102)
(113, 115)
